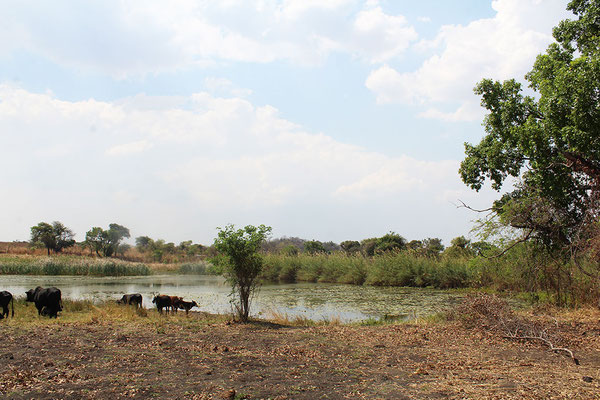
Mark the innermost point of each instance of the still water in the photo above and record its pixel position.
(315, 301)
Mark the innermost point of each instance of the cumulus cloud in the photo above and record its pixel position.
(150, 36)
(207, 160)
(501, 47)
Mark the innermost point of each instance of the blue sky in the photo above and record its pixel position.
(328, 120)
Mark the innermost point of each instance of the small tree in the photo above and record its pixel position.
(114, 235)
(242, 262)
(143, 243)
(350, 246)
(314, 247)
(390, 242)
(94, 239)
(97, 239)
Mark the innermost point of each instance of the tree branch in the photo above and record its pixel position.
(463, 205)
(547, 342)
(523, 239)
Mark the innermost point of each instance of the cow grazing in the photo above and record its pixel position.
(47, 300)
(187, 305)
(132, 299)
(162, 301)
(5, 299)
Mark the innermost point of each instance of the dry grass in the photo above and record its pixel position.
(114, 353)
(282, 318)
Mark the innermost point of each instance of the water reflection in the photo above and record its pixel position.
(310, 300)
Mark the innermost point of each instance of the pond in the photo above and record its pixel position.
(316, 301)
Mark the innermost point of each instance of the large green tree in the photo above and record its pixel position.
(242, 261)
(548, 141)
(55, 237)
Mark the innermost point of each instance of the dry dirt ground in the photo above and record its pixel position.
(199, 357)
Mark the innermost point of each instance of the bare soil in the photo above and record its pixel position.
(199, 357)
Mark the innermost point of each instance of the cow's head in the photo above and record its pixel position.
(30, 294)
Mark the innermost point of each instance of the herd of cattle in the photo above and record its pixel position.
(48, 302)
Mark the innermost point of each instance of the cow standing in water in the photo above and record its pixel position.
(47, 301)
(132, 299)
(5, 299)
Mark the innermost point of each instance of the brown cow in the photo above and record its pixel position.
(175, 300)
(187, 305)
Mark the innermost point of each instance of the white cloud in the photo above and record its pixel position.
(129, 148)
(468, 111)
(212, 161)
(501, 47)
(222, 86)
(150, 36)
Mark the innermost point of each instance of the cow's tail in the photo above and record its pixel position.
(12, 304)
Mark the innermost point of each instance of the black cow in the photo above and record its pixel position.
(5, 298)
(47, 301)
(162, 301)
(187, 305)
(134, 299)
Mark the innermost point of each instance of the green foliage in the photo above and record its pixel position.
(94, 239)
(114, 235)
(433, 247)
(350, 246)
(143, 243)
(55, 237)
(550, 142)
(107, 241)
(460, 248)
(390, 242)
(290, 250)
(367, 246)
(242, 262)
(314, 247)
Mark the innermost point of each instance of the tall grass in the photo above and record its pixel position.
(196, 268)
(65, 265)
(390, 269)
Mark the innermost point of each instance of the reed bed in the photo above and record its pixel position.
(68, 265)
(390, 269)
(196, 268)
